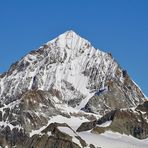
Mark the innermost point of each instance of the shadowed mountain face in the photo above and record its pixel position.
(65, 77)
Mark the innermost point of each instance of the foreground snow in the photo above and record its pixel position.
(113, 140)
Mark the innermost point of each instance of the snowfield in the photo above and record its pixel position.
(113, 140)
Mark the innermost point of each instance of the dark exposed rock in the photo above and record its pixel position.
(86, 126)
(98, 130)
(131, 123)
(57, 138)
(143, 107)
(87, 108)
(33, 102)
(0, 115)
(124, 72)
(12, 137)
(107, 117)
(127, 121)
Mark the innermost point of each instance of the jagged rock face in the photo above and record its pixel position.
(11, 137)
(125, 121)
(130, 123)
(87, 126)
(55, 136)
(143, 107)
(119, 95)
(31, 111)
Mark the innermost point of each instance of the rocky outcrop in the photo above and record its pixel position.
(19, 118)
(143, 107)
(56, 136)
(12, 137)
(31, 111)
(87, 126)
(127, 121)
(117, 96)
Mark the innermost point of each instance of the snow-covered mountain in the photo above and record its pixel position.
(70, 65)
(65, 79)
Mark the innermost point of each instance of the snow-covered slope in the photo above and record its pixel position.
(113, 140)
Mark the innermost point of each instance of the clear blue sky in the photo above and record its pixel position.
(117, 26)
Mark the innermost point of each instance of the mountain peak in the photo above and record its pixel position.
(70, 40)
(70, 33)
